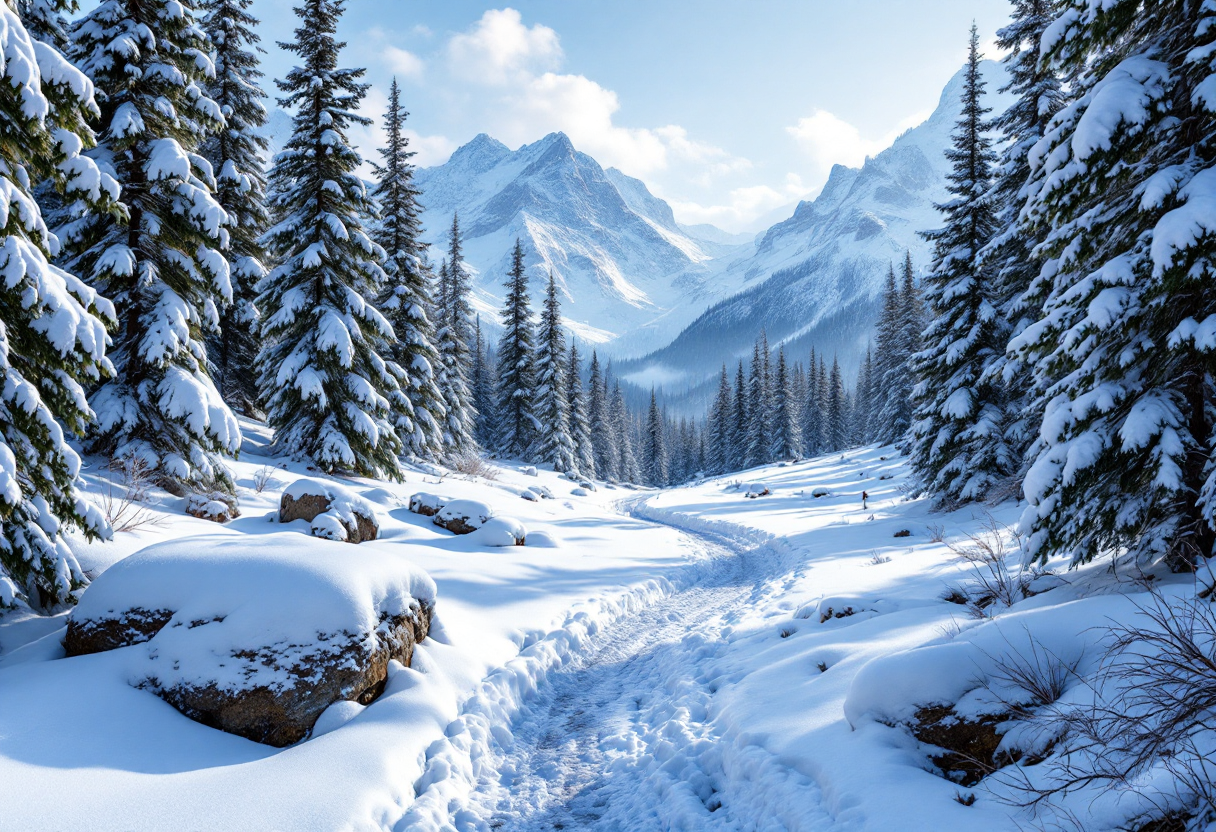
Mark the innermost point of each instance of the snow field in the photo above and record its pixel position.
(85, 749)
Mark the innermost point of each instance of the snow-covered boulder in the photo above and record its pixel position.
(587, 484)
(428, 505)
(217, 507)
(530, 496)
(256, 636)
(334, 512)
(463, 516)
(501, 531)
(530, 471)
(820, 491)
(580, 492)
(756, 489)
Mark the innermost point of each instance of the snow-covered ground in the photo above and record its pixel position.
(688, 659)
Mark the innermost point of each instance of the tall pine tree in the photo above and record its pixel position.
(1123, 183)
(323, 365)
(484, 391)
(454, 343)
(720, 445)
(656, 461)
(603, 437)
(554, 444)
(787, 435)
(580, 426)
(237, 154)
(163, 264)
(517, 424)
(417, 407)
(52, 325)
(958, 447)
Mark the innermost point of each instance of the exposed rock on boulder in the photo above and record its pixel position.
(257, 636)
(463, 516)
(218, 508)
(334, 512)
(969, 745)
(428, 505)
(112, 629)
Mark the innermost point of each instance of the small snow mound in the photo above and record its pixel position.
(756, 489)
(463, 516)
(530, 471)
(381, 496)
(500, 532)
(580, 492)
(530, 496)
(543, 540)
(587, 484)
(336, 715)
(820, 491)
(213, 507)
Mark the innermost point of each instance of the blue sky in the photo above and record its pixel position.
(726, 109)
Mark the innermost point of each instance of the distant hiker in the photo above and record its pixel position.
(864, 497)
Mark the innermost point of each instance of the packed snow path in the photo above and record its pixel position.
(622, 740)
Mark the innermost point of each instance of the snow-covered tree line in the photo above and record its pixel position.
(164, 275)
(1069, 353)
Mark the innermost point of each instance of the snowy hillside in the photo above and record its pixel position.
(815, 278)
(619, 256)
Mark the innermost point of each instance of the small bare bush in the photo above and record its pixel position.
(877, 559)
(472, 464)
(987, 552)
(1033, 670)
(936, 532)
(264, 478)
(123, 503)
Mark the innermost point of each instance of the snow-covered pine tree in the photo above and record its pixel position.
(787, 436)
(627, 464)
(417, 407)
(742, 419)
(836, 416)
(655, 452)
(517, 420)
(863, 402)
(812, 410)
(554, 444)
(580, 425)
(759, 406)
(1123, 181)
(719, 452)
(237, 153)
(603, 438)
(484, 391)
(1038, 93)
(162, 263)
(453, 340)
(52, 325)
(958, 447)
(324, 372)
(46, 21)
(890, 363)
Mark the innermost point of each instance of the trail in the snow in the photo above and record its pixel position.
(623, 739)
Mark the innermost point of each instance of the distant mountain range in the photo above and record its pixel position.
(672, 302)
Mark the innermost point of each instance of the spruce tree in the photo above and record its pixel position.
(603, 437)
(1038, 96)
(739, 435)
(958, 448)
(720, 446)
(46, 21)
(554, 444)
(836, 419)
(517, 423)
(812, 418)
(484, 391)
(899, 401)
(162, 262)
(324, 369)
(237, 153)
(454, 343)
(655, 453)
(627, 462)
(787, 436)
(417, 406)
(759, 406)
(1122, 184)
(52, 325)
(863, 403)
(580, 426)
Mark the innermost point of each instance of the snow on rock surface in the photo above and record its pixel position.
(500, 531)
(334, 512)
(463, 516)
(256, 638)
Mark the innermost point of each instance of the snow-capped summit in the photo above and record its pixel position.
(817, 277)
(616, 249)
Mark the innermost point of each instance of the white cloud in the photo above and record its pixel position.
(829, 140)
(501, 52)
(403, 63)
(746, 205)
(499, 48)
